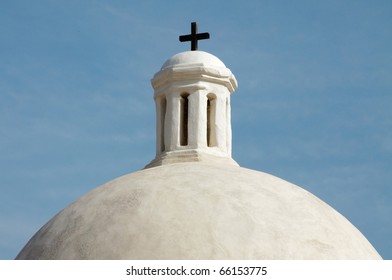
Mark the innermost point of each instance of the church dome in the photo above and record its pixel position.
(193, 201)
(198, 211)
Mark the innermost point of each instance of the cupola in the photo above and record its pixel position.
(192, 97)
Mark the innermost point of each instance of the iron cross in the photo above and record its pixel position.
(194, 36)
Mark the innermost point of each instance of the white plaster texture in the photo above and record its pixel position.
(198, 211)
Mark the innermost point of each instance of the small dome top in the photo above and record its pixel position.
(193, 58)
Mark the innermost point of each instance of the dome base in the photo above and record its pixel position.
(190, 156)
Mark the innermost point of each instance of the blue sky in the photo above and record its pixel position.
(314, 103)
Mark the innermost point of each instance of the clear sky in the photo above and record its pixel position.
(314, 103)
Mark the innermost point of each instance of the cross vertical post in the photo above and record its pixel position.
(194, 37)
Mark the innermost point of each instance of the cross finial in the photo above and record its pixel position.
(194, 36)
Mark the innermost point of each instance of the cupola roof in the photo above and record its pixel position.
(188, 58)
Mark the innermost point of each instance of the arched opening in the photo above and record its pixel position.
(211, 112)
(184, 119)
(162, 124)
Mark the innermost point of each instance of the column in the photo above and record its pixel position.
(172, 122)
(220, 122)
(159, 129)
(197, 120)
(228, 126)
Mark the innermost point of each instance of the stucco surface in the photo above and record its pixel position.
(198, 211)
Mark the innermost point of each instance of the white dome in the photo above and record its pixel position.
(193, 58)
(194, 202)
(198, 211)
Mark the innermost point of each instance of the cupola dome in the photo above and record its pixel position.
(188, 58)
